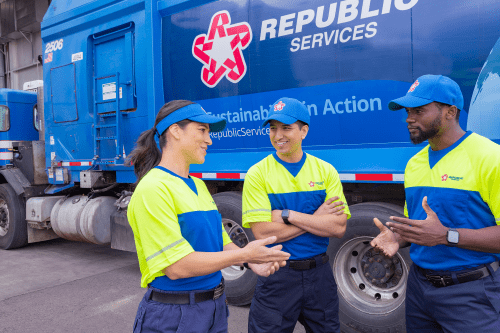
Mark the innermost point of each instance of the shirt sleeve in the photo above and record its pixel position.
(256, 204)
(334, 189)
(159, 231)
(490, 178)
(225, 237)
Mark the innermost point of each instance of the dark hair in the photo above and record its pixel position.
(301, 124)
(146, 154)
(442, 105)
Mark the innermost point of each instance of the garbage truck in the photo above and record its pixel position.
(109, 65)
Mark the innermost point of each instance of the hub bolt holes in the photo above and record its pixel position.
(377, 296)
(353, 270)
(362, 286)
(355, 253)
(395, 295)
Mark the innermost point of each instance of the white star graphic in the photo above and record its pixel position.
(221, 50)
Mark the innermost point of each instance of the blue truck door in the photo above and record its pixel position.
(114, 84)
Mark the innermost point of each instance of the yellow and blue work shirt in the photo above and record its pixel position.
(171, 217)
(462, 185)
(302, 187)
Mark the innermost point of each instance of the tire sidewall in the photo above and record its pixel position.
(239, 291)
(361, 224)
(17, 235)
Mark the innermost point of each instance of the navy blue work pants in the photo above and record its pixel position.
(208, 316)
(467, 307)
(287, 295)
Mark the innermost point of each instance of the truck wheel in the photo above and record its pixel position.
(371, 288)
(13, 227)
(240, 282)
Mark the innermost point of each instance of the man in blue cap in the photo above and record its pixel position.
(299, 199)
(453, 214)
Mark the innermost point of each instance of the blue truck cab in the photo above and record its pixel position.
(109, 66)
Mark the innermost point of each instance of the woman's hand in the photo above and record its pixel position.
(267, 268)
(256, 252)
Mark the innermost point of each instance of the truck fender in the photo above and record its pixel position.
(16, 179)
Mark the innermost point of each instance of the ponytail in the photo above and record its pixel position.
(146, 154)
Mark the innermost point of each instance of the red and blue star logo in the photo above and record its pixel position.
(221, 51)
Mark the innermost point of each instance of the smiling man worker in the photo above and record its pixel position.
(294, 196)
(453, 203)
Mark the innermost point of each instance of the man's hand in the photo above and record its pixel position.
(258, 253)
(428, 232)
(267, 268)
(385, 241)
(331, 206)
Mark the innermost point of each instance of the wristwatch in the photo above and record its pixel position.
(452, 237)
(285, 214)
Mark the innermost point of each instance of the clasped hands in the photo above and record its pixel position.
(428, 232)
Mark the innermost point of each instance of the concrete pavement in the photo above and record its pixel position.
(63, 286)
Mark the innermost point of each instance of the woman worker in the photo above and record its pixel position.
(180, 241)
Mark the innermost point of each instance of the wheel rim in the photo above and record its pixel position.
(367, 280)
(240, 238)
(4, 218)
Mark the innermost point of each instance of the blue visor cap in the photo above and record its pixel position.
(427, 89)
(192, 112)
(288, 110)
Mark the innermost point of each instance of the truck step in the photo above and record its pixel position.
(106, 126)
(106, 138)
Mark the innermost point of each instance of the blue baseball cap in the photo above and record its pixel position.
(288, 110)
(427, 89)
(192, 112)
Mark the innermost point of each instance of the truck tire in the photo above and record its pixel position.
(371, 288)
(240, 282)
(13, 226)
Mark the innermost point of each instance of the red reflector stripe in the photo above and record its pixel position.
(197, 175)
(228, 175)
(374, 177)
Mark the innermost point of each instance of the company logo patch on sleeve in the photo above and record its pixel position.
(221, 51)
(413, 86)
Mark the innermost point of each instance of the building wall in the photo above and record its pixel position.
(22, 63)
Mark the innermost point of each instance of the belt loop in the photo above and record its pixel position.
(319, 260)
(491, 270)
(148, 292)
(454, 278)
(192, 299)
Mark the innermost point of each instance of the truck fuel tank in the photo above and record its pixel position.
(82, 219)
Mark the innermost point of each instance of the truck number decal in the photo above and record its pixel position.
(54, 46)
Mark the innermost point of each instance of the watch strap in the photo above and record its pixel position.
(285, 213)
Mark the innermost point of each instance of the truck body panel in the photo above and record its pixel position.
(345, 62)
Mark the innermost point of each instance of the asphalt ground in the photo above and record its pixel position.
(63, 286)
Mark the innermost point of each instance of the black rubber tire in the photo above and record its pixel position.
(239, 291)
(361, 224)
(17, 235)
